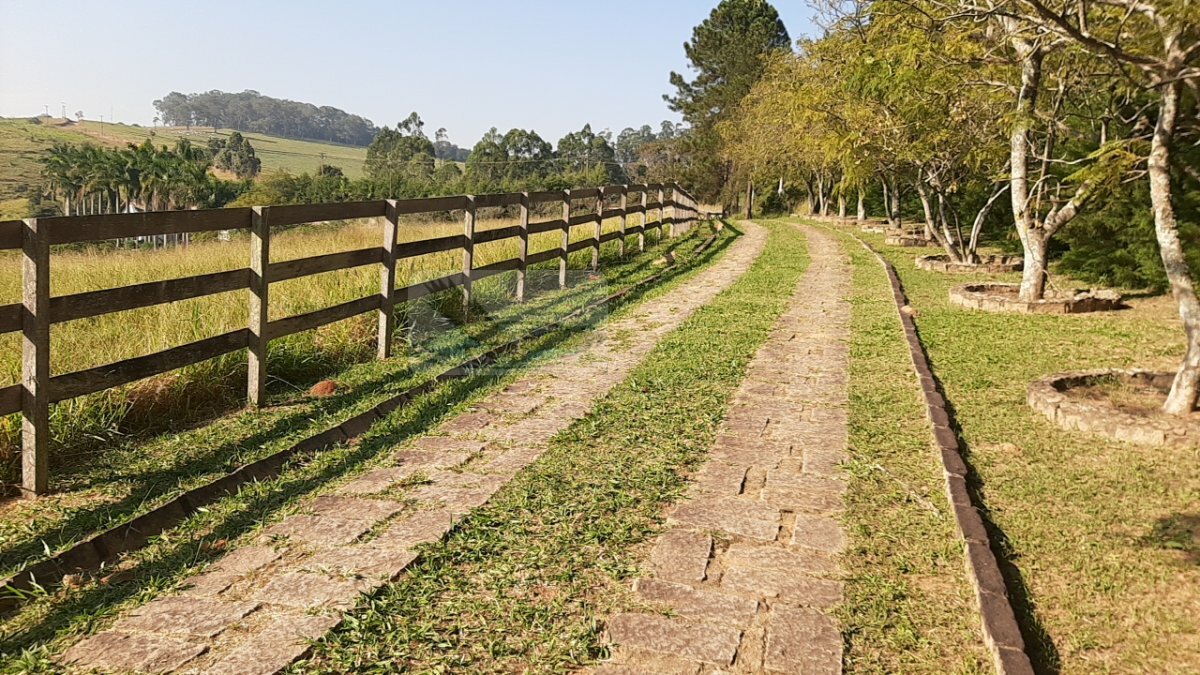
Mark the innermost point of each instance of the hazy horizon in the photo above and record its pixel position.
(464, 66)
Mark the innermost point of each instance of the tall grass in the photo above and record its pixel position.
(184, 396)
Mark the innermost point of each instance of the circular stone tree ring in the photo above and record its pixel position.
(998, 297)
(989, 264)
(1063, 398)
(908, 240)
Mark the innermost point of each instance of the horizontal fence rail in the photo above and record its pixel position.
(38, 310)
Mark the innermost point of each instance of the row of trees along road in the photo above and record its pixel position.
(1040, 111)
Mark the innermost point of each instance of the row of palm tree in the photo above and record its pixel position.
(91, 180)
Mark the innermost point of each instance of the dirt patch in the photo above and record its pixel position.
(1125, 405)
(996, 297)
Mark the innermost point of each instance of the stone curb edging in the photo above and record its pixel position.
(908, 241)
(976, 296)
(1047, 396)
(1001, 632)
(992, 264)
(89, 554)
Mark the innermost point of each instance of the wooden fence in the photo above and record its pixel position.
(38, 310)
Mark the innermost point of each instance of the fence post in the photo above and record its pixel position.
(35, 360)
(662, 211)
(566, 239)
(387, 281)
(599, 229)
(523, 254)
(674, 212)
(468, 253)
(260, 259)
(642, 233)
(624, 206)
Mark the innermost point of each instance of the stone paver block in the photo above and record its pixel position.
(319, 530)
(372, 560)
(468, 423)
(804, 494)
(306, 591)
(794, 587)
(285, 640)
(422, 527)
(765, 453)
(818, 532)
(513, 404)
(378, 480)
(681, 555)
(647, 664)
(721, 478)
(803, 641)
(674, 637)
(355, 508)
(209, 584)
(442, 445)
(513, 461)
(735, 516)
(708, 606)
(197, 617)
(799, 561)
(138, 652)
(246, 559)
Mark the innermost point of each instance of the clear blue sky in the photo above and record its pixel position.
(466, 65)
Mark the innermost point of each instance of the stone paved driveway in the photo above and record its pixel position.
(747, 569)
(253, 611)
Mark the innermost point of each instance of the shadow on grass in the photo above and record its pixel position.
(48, 618)
(1039, 645)
(1176, 532)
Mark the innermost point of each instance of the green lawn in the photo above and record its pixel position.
(97, 492)
(908, 607)
(1100, 539)
(522, 583)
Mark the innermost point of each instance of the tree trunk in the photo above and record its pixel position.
(1181, 400)
(972, 251)
(862, 207)
(1033, 280)
(923, 193)
(841, 206)
(894, 205)
(887, 208)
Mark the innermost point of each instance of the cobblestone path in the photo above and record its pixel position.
(254, 611)
(748, 566)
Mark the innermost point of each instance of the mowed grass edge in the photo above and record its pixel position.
(908, 606)
(523, 583)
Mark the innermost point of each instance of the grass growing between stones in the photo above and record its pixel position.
(521, 584)
(111, 494)
(1101, 540)
(908, 606)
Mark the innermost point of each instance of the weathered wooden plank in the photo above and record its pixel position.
(421, 289)
(484, 236)
(585, 193)
(317, 264)
(413, 249)
(35, 358)
(566, 239)
(124, 298)
(636, 229)
(581, 244)
(624, 209)
(315, 213)
(10, 234)
(10, 399)
(609, 236)
(503, 199)
(542, 256)
(89, 381)
(499, 266)
(430, 204)
(584, 219)
(302, 322)
(11, 316)
(545, 196)
(636, 208)
(598, 232)
(611, 213)
(545, 226)
(70, 229)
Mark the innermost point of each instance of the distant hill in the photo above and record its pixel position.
(250, 111)
(23, 143)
